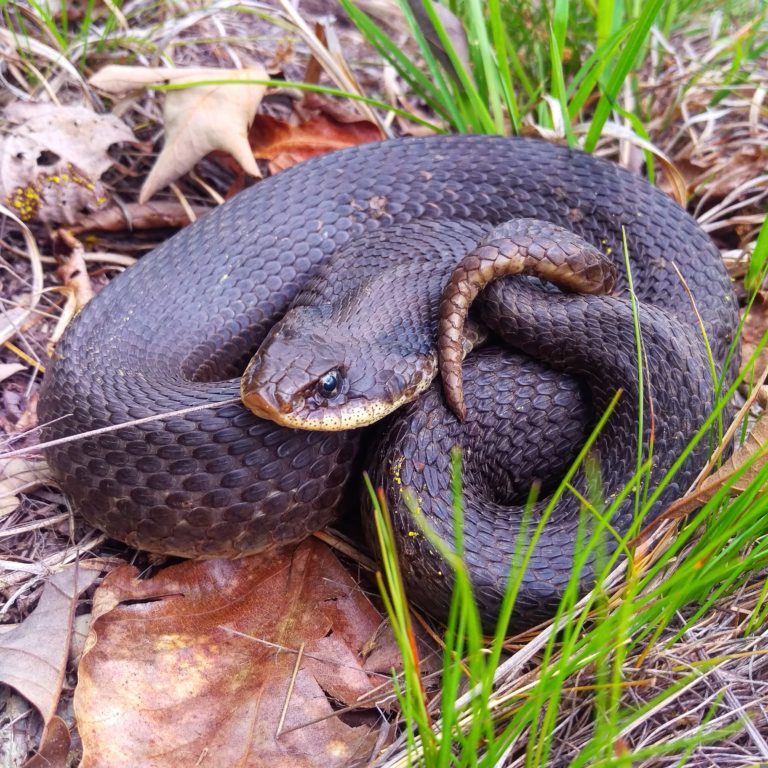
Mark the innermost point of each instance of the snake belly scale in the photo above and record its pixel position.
(354, 249)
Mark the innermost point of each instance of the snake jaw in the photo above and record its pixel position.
(352, 414)
(262, 404)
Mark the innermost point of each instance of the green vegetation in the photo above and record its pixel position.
(562, 64)
(712, 554)
(570, 69)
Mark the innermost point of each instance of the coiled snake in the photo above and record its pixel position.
(360, 245)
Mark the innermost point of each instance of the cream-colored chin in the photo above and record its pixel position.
(350, 416)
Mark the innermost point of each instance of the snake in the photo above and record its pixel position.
(378, 307)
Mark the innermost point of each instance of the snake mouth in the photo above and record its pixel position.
(302, 413)
(265, 407)
(300, 401)
(331, 419)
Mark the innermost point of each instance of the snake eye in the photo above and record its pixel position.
(328, 385)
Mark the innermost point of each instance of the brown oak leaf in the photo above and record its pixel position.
(242, 660)
(284, 144)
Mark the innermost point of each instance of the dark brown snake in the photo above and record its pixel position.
(360, 245)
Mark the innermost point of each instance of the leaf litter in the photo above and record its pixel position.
(52, 158)
(287, 144)
(33, 655)
(198, 119)
(246, 660)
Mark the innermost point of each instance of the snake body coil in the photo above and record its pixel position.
(362, 242)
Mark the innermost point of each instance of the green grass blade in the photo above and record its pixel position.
(448, 95)
(479, 117)
(436, 97)
(620, 71)
(758, 261)
(500, 45)
(330, 91)
(558, 86)
(584, 82)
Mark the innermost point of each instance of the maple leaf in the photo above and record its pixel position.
(198, 119)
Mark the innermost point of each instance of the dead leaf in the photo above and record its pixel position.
(74, 273)
(54, 746)
(201, 660)
(20, 474)
(52, 157)
(715, 168)
(311, 104)
(675, 184)
(33, 656)
(755, 328)
(754, 449)
(198, 119)
(28, 417)
(285, 145)
(9, 369)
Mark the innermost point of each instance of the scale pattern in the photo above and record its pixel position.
(176, 329)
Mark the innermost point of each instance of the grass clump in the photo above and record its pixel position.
(601, 649)
(564, 69)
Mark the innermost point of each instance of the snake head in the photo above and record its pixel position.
(312, 373)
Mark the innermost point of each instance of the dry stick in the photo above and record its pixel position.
(11, 347)
(372, 697)
(35, 312)
(340, 545)
(510, 666)
(365, 700)
(46, 522)
(12, 322)
(287, 649)
(647, 715)
(23, 435)
(338, 71)
(18, 572)
(289, 692)
(115, 427)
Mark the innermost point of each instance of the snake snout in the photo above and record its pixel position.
(265, 401)
(262, 393)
